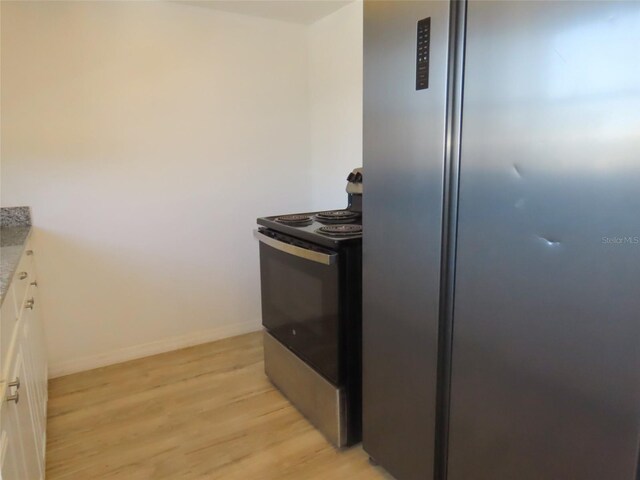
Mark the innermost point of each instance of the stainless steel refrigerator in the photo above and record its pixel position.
(501, 250)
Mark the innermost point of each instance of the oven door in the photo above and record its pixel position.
(300, 299)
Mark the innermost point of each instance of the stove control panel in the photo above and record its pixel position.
(422, 53)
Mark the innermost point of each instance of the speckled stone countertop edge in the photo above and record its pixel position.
(15, 216)
(15, 231)
(10, 258)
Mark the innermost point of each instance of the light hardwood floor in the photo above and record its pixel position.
(205, 412)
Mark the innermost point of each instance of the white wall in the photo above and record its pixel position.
(147, 137)
(335, 93)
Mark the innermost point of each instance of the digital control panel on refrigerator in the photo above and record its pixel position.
(422, 53)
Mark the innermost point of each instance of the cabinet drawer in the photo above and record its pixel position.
(8, 324)
(25, 274)
(18, 414)
(12, 461)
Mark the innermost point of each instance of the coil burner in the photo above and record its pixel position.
(340, 230)
(337, 216)
(295, 220)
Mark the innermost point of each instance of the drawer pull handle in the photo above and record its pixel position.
(16, 395)
(29, 303)
(34, 283)
(29, 252)
(23, 275)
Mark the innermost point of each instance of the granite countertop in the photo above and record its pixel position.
(15, 229)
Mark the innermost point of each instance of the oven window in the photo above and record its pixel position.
(300, 307)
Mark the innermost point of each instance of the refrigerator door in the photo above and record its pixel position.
(546, 349)
(404, 129)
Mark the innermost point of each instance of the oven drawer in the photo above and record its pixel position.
(324, 404)
(301, 300)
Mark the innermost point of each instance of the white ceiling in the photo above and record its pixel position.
(297, 11)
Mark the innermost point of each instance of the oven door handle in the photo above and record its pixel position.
(318, 257)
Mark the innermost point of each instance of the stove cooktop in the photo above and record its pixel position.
(328, 228)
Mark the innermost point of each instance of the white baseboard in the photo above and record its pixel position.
(120, 355)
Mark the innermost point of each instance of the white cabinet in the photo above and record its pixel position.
(19, 408)
(23, 411)
(11, 459)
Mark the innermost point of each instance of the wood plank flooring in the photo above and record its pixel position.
(205, 412)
